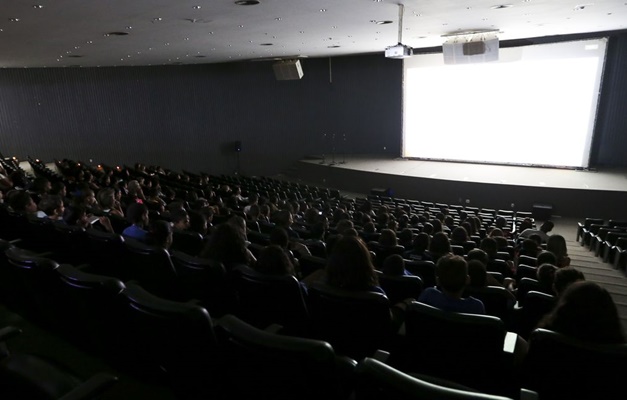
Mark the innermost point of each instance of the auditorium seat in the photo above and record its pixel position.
(265, 299)
(356, 323)
(28, 376)
(536, 306)
(376, 380)
(399, 288)
(152, 267)
(424, 269)
(469, 349)
(262, 364)
(586, 370)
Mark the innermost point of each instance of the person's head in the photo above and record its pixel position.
(564, 277)
(452, 274)
(557, 245)
(41, 185)
(76, 216)
(106, 198)
(180, 219)
(490, 246)
(406, 237)
(58, 188)
(318, 231)
(479, 255)
(279, 237)
(529, 248)
(160, 234)
(388, 238)
(369, 227)
(349, 265)
(198, 222)
(586, 311)
(546, 275)
(226, 244)
(21, 202)
(52, 205)
(546, 257)
(343, 225)
(477, 273)
(273, 260)
(422, 242)
(394, 265)
(496, 232)
(547, 226)
(137, 214)
(283, 218)
(440, 244)
(459, 235)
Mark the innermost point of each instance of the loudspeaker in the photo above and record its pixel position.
(288, 70)
(473, 48)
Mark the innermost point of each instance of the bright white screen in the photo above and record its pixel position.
(535, 106)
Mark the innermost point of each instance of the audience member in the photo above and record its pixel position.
(452, 278)
(564, 277)
(586, 311)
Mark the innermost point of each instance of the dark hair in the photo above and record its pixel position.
(394, 265)
(135, 213)
(459, 235)
(159, 233)
(586, 311)
(478, 273)
(546, 275)
(452, 273)
(73, 214)
(490, 246)
(440, 244)
(279, 237)
(564, 277)
(50, 203)
(274, 260)
(388, 237)
(19, 200)
(546, 257)
(227, 245)
(478, 255)
(350, 265)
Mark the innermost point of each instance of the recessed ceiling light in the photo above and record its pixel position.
(501, 6)
(582, 6)
(247, 2)
(14, 19)
(157, 19)
(196, 7)
(38, 6)
(278, 19)
(323, 10)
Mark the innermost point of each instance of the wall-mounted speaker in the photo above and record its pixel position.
(288, 70)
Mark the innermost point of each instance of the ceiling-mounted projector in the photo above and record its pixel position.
(398, 51)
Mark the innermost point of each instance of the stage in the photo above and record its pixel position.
(570, 193)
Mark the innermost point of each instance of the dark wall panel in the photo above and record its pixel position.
(189, 116)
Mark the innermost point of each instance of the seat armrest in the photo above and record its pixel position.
(91, 388)
(526, 394)
(381, 355)
(8, 332)
(274, 328)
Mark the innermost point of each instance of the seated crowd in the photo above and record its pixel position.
(275, 233)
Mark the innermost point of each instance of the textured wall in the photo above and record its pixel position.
(187, 117)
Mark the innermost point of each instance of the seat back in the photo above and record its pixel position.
(34, 289)
(266, 299)
(444, 344)
(356, 323)
(87, 308)
(399, 288)
(159, 336)
(266, 365)
(581, 365)
(536, 306)
(424, 269)
(496, 299)
(383, 252)
(70, 244)
(310, 264)
(152, 268)
(191, 243)
(206, 281)
(378, 381)
(525, 285)
(526, 271)
(106, 252)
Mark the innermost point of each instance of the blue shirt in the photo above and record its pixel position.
(135, 232)
(436, 298)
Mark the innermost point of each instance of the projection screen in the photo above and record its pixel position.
(535, 106)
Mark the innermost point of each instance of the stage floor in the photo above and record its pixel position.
(569, 192)
(606, 180)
